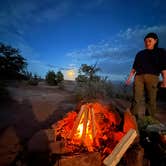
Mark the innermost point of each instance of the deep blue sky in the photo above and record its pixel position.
(63, 34)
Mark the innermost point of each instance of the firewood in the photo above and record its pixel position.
(120, 149)
(83, 159)
(73, 131)
(85, 122)
(93, 123)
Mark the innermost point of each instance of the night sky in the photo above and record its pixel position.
(63, 34)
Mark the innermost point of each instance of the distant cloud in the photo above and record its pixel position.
(16, 17)
(137, 34)
(116, 57)
(19, 15)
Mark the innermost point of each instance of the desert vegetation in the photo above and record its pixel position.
(53, 78)
(92, 86)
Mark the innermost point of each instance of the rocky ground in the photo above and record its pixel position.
(34, 109)
(31, 109)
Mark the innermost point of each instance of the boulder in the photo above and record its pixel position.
(9, 146)
(58, 147)
(129, 122)
(41, 140)
(134, 156)
(158, 128)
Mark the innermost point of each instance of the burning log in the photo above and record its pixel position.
(83, 159)
(85, 122)
(76, 123)
(86, 113)
(95, 128)
(120, 148)
(93, 123)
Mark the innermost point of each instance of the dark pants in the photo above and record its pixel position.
(145, 89)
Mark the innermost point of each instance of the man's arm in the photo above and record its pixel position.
(132, 73)
(163, 84)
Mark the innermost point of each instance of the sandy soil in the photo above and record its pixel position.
(35, 107)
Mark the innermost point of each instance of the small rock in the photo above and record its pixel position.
(57, 147)
(158, 128)
(134, 156)
(86, 159)
(41, 140)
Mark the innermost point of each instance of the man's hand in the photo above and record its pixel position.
(163, 84)
(128, 81)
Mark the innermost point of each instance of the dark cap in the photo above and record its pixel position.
(151, 35)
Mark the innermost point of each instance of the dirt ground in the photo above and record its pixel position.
(34, 108)
(37, 107)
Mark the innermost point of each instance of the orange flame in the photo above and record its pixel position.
(83, 133)
(80, 128)
(96, 127)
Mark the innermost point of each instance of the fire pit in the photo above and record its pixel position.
(95, 130)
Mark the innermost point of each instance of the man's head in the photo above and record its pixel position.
(151, 41)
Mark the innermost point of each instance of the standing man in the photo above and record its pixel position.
(148, 65)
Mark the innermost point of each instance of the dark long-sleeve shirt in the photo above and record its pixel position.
(150, 61)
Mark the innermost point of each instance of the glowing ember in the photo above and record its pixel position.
(83, 131)
(94, 128)
(79, 130)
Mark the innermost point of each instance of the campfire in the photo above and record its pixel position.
(95, 128)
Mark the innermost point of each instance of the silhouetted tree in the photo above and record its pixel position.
(59, 76)
(89, 71)
(12, 64)
(90, 85)
(51, 78)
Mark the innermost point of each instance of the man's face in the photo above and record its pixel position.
(150, 43)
